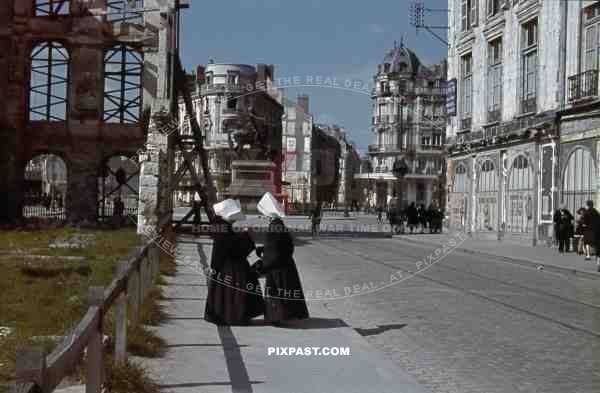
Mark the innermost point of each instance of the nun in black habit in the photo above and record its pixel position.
(284, 298)
(229, 301)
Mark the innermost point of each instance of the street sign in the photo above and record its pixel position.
(451, 97)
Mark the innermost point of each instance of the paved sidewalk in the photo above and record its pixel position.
(202, 357)
(550, 258)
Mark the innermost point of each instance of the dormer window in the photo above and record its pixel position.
(403, 67)
(386, 67)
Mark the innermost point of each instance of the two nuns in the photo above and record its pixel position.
(229, 302)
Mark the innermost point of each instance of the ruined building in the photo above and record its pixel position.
(77, 80)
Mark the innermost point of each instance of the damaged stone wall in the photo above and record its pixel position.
(84, 140)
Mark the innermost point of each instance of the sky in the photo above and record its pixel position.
(311, 41)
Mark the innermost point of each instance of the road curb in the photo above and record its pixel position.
(520, 261)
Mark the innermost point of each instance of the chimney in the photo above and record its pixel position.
(200, 74)
(265, 72)
(303, 102)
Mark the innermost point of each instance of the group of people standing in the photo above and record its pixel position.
(586, 228)
(414, 217)
(49, 201)
(235, 295)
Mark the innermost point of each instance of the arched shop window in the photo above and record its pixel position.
(520, 176)
(579, 179)
(487, 177)
(520, 196)
(460, 179)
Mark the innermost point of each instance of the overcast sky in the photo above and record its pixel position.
(337, 39)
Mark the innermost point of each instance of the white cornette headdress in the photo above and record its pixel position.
(268, 206)
(230, 210)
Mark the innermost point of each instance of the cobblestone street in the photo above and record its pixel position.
(465, 324)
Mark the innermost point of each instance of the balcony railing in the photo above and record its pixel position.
(434, 91)
(232, 111)
(583, 85)
(222, 88)
(505, 128)
(386, 148)
(431, 147)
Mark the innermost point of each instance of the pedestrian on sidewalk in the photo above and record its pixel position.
(422, 213)
(565, 229)
(591, 231)
(315, 219)
(555, 225)
(412, 217)
(284, 298)
(234, 293)
(579, 231)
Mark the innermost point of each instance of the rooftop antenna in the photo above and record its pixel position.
(417, 19)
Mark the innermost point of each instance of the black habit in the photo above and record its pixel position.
(284, 298)
(234, 295)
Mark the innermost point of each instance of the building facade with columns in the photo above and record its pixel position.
(579, 153)
(409, 123)
(507, 84)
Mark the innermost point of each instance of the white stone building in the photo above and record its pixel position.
(579, 153)
(409, 124)
(507, 60)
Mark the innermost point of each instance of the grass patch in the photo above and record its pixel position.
(33, 291)
(128, 377)
(142, 341)
(152, 311)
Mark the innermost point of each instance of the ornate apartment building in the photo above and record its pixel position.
(524, 137)
(241, 120)
(409, 121)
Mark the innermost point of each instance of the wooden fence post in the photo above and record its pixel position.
(121, 320)
(142, 277)
(155, 263)
(31, 367)
(157, 255)
(133, 293)
(95, 366)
